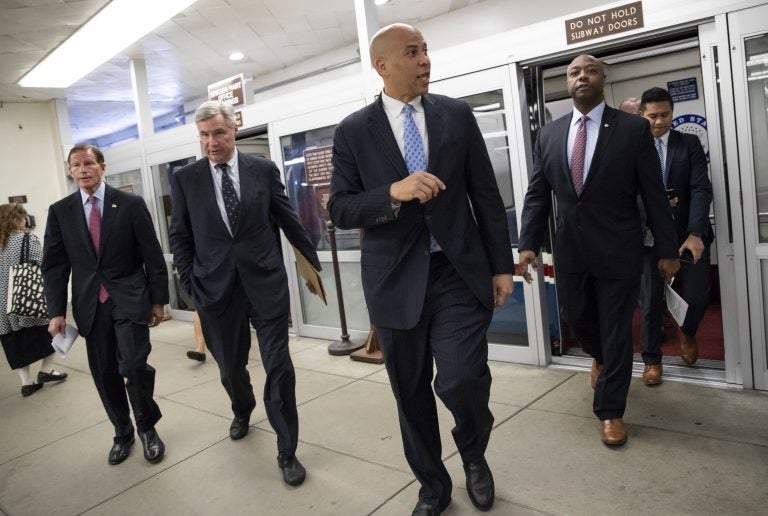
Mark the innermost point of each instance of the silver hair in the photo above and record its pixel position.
(211, 108)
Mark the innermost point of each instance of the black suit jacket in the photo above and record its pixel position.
(688, 174)
(599, 232)
(129, 263)
(468, 219)
(210, 260)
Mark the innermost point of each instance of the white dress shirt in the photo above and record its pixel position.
(592, 128)
(99, 194)
(234, 174)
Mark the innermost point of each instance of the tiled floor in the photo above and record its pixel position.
(692, 449)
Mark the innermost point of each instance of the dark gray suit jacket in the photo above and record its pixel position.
(210, 260)
(129, 263)
(468, 219)
(599, 232)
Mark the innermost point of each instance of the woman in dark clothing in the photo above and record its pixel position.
(25, 340)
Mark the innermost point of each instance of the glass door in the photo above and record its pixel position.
(519, 330)
(749, 54)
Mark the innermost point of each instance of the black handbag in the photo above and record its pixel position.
(26, 299)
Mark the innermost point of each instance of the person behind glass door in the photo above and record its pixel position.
(25, 340)
(686, 176)
(225, 248)
(596, 160)
(413, 170)
(104, 239)
(199, 351)
(630, 105)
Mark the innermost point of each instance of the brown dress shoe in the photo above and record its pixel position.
(652, 374)
(596, 370)
(614, 433)
(689, 348)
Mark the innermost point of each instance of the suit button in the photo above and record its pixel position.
(427, 217)
(426, 252)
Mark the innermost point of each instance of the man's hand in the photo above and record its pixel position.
(695, 245)
(503, 286)
(668, 268)
(673, 202)
(419, 185)
(312, 288)
(527, 258)
(57, 325)
(157, 315)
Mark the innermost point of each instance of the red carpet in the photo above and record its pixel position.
(709, 336)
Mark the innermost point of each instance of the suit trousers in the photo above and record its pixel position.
(118, 350)
(228, 337)
(694, 287)
(599, 311)
(452, 332)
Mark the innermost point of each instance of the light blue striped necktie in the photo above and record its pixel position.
(660, 151)
(414, 146)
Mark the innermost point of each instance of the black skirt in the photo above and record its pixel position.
(27, 345)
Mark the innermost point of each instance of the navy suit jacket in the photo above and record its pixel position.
(129, 263)
(599, 232)
(468, 219)
(210, 260)
(688, 174)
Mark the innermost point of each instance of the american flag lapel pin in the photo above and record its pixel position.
(606, 125)
(114, 205)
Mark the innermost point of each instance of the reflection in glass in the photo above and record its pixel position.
(509, 324)
(756, 52)
(161, 179)
(127, 181)
(316, 313)
(308, 193)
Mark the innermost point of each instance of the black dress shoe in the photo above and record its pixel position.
(239, 428)
(154, 447)
(43, 377)
(28, 390)
(196, 355)
(120, 451)
(293, 472)
(427, 509)
(480, 484)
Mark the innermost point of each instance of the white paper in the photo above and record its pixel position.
(676, 305)
(62, 343)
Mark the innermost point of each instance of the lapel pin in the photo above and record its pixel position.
(606, 125)
(114, 205)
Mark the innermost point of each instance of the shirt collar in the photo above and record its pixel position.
(596, 115)
(395, 107)
(99, 193)
(665, 138)
(232, 161)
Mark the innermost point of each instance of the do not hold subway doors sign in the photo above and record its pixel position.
(604, 23)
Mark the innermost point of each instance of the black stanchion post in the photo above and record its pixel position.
(345, 346)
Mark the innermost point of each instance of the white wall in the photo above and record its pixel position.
(33, 165)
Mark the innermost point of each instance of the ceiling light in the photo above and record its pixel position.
(236, 56)
(381, 2)
(111, 30)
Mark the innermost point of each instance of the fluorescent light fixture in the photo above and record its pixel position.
(236, 56)
(487, 107)
(381, 2)
(118, 25)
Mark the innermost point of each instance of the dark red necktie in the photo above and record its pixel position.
(94, 227)
(577, 155)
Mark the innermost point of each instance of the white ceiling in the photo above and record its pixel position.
(186, 53)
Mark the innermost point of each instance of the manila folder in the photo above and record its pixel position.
(309, 273)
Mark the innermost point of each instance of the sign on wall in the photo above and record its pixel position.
(604, 23)
(229, 91)
(683, 89)
(317, 163)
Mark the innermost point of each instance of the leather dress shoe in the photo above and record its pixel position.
(239, 428)
(120, 451)
(427, 509)
(154, 447)
(596, 370)
(29, 390)
(293, 472)
(689, 348)
(480, 484)
(652, 374)
(43, 377)
(614, 432)
(196, 355)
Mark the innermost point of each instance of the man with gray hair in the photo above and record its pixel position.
(222, 236)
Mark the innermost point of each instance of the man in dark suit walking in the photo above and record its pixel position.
(685, 175)
(105, 239)
(224, 246)
(596, 161)
(412, 169)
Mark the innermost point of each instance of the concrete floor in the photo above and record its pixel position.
(692, 449)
